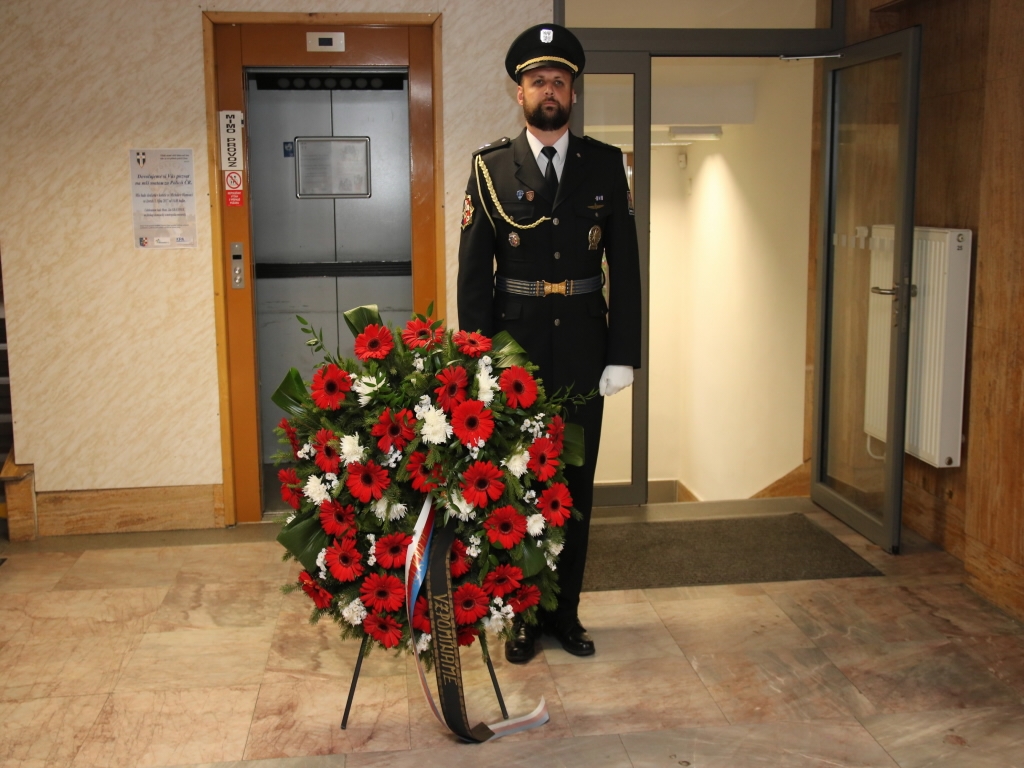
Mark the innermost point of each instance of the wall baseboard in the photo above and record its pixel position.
(119, 510)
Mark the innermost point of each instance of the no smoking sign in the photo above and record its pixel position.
(232, 180)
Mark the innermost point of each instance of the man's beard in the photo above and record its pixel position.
(544, 121)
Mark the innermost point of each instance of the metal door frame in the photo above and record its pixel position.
(629, 51)
(906, 44)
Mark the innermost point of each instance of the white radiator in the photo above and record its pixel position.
(938, 341)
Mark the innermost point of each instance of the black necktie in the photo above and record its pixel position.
(550, 177)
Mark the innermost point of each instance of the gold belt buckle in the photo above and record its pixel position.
(558, 288)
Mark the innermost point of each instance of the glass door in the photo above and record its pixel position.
(869, 147)
(614, 106)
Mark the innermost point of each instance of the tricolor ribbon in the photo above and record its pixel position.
(427, 562)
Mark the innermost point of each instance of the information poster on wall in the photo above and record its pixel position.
(163, 198)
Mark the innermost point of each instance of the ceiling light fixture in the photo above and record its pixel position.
(688, 133)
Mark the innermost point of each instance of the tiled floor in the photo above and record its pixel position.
(180, 650)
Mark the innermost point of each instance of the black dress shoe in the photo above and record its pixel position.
(573, 637)
(523, 645)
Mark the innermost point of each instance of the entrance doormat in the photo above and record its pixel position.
(724, 551)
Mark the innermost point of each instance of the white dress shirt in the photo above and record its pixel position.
(561, 147)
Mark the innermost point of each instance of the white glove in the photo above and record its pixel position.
(615, 379)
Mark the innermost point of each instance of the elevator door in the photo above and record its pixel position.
(337, 233)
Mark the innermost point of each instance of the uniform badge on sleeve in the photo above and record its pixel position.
(467, 212)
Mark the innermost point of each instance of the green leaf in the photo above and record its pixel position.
(505, 351)
(533, 558)
(430, 309)
(302, 320)
(573, 449)
(291, 393)
(360, 317)
(304, 539)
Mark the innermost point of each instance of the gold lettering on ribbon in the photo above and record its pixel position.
(445, 638)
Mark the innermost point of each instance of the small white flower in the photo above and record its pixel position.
(321, 561)
(474, 452)
(461, 508)
(485, 362)
(500, 618)
(422, 407)
(535, 524)
(350, 449)
(371, 559)
(551, 563)
(394, 456)
(555, 548)
(306, 452)
(530, 496)
(331, 478)
(423, 643)
(486, 385)
(417, 362)
(474, 540)
(316, 491)
(473, 551)
(354, 613)
(436, 429)
(517, 462)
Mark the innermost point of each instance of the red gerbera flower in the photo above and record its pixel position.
(502, 580)
(519, 387)
(289, 430)
(505, 527)
(471, 343)
(543, 459)
(337, 519)
(555, 504)
(467, 635)
(329, 387)
(383, 629)
(343, 560)
(382, 592)
(396, 430)
(289, 494)
(453, 387)
(421, 615)
(327, 456)
(556, 431)
(390, 549)
(366, 481)
(417, 333)
(458, 559)
(424, 479)
(481, 484)
(374, 343)
(472, 422)
(527, 597)
(321, 597)
(470, 604)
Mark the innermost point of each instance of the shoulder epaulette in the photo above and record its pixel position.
(504, 141)
(600, 144)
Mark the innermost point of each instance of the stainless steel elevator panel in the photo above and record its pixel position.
(284, 228)
(377, 228)
(318, 257)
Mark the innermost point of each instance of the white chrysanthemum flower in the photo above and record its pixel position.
(555, 547)
(535, 524)
(417, 362)
(551, 563)
(354, 613)
(423, 643)
(459, 507)
(380, 509)
(486, 385)
(396, 512)
(350, 449)
(316, 491)
(366, 386)
(436, 429)
(321, 562)
(517, 462)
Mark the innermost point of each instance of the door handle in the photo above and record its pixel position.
(891, 291)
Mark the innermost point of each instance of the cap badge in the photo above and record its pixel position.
(519, 194)
(529, 195)
(513, 239)
(547, 35)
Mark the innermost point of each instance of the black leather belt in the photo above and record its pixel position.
(544, 288)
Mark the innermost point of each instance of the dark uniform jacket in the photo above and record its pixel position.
(571, 338)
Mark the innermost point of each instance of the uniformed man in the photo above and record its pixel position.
(548, 206)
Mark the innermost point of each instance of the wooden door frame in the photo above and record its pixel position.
(412, 40)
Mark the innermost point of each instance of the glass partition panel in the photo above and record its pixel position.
(698, 14)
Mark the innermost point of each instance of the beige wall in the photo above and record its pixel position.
(112, 350)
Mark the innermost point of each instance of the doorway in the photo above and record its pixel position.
(339, 205)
